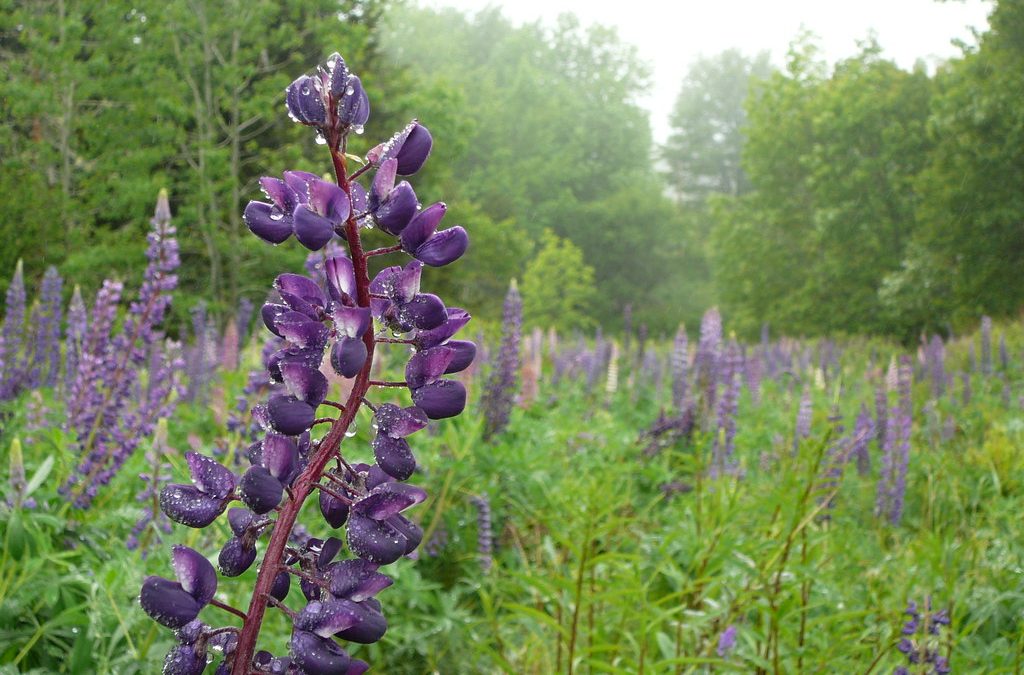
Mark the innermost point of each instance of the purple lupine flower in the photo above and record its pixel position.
(680, 367)
(836, 457)
(892, 483)
(46, 320)
(935, 360)
(501, 390)
(1004, 353)
(922, 639)
(484, 534)
(986, 345)
(436, 542)
(726, 642)
(706, 360)
(332, 315)
(200, 358)
(881, 414)
(74, 336)
(725, 437)
(13, 363)
(104, 411)
(863, 432)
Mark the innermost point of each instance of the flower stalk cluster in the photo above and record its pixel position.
(337, 324)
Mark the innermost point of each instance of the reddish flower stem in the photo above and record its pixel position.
(304, 484)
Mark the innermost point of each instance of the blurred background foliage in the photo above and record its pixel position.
(822, 199)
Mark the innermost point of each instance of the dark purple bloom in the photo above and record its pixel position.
(175, 604)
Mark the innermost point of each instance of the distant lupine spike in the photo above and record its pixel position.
(986, 345)
(863, 432)
(724, 461)
(1004, 353)
(881, 414)
(45, 366)
(105, 386)
(922, 639)
(13, 362)
(935, 357)
(706, 361)
(503, 383)
(485, 536)
(437, 541)
(243, 319)
(680, 368)
(892, 483)
(965, 388)
(803, 418)
(836, 456)
(74, 336)
(328, 317)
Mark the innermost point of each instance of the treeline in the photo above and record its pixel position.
(858, 199)
(871, 199)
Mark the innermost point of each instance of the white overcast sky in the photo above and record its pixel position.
(670, 35)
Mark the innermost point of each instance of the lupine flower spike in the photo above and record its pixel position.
(336, 318)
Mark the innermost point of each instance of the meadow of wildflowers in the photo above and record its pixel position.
(243, 500)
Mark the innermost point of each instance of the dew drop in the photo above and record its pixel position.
(358, 128)
(320, 140)
(305, 90)
(349, 90)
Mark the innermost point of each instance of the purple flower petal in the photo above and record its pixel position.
(348, 355)
(355, 106)
(422, 226)
(267, 222)
(305, 102)
(303, 334)
(341, 278)
(414, 150)
(425, 311)
(329, 200)
(282, 584)
(240, 519)
(167, 603)
(369, 629)
(374, 540)
(444, 247)
(299, 181)
(353, 322)
(399, 422)
(397, 209)
(280, 193)
(394, 456)
(357, 667)
(209, 476)
(457, 318)
(317, 655)
(328, 551)
(195, 573)
(289, 415)
(259, 490)
(334, 511)
(426, 366)
(388, 499)
(183, 660)
(302, 287)
(271, 314)
(280, 456)
(236, 557)
(464, 354)
(304, 383)
(410, 531)
(441, 399)
(311, 229)
(327, 618)
(190, 506)
(383, 182)
(356, 579)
